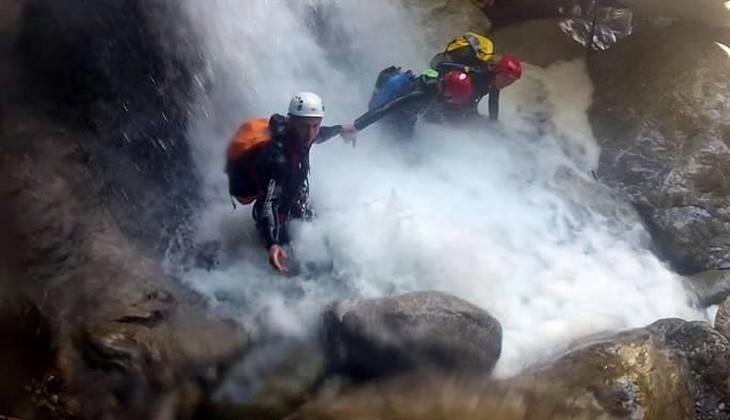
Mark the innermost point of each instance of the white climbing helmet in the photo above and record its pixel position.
(306, 104)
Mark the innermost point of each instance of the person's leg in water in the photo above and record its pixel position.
(299, 210)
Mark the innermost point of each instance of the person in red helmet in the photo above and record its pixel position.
(457, 88)
(474, 53)
(449, 92)
(507, 71)
(400, 98)
(488, 80)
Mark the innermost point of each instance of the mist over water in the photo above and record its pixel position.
(505, 216)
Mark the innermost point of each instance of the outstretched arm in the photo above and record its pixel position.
(348, 130)
(376, 114)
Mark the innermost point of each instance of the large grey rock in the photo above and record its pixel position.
(660, 116)
(416, 331)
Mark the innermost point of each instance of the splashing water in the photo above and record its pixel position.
(502, 216)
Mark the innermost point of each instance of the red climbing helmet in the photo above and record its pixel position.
(510, 65)
(458, 87)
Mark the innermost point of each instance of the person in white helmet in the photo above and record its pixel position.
(283, 169)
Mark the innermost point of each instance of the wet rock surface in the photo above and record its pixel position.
(672, 369)
(116, 337)
(659, 116)
(415, 331)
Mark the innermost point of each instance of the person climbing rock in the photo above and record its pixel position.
(449, 92)
(268, 164)
(400, 98)
(474, 54)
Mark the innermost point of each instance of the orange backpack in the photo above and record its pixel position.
(251, 137)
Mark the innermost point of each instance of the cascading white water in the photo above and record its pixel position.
(503, 216)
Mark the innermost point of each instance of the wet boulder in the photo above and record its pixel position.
(418, 331)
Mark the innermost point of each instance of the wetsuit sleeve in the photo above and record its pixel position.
(494, 104)
(326, 133)
(269, 224)
(372, 116)
(376, 114)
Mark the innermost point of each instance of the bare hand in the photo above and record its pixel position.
(349, 134)
(277, 255)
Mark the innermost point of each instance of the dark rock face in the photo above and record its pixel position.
(415, 331)
(124, 71)
(659, 116)
(83, 210)
(707, 354)
(703, 12)
(127, 340)
(26, 358)
(113, 65)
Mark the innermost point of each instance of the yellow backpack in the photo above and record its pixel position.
(481, 47)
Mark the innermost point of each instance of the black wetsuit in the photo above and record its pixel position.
(283, 170)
